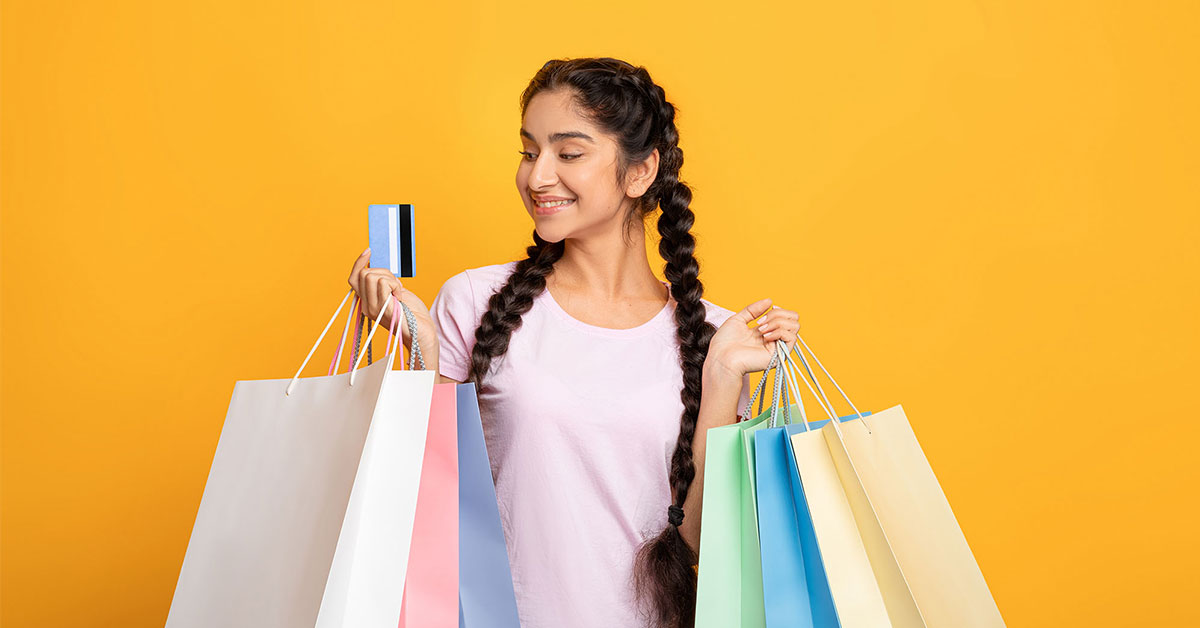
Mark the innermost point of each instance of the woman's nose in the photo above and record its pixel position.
(543, 173)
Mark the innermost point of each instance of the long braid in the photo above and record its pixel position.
(666, 577)
(508, 304)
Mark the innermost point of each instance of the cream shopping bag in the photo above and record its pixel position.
(307, 514)
(892, 548)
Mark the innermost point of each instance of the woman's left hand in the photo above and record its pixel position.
(739, 349)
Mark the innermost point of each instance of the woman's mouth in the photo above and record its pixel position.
(552, 207)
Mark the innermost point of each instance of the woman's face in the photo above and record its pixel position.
(566, 158)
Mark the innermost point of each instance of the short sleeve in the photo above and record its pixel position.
(455, 316)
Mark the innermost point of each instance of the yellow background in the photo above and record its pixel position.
(985, 211)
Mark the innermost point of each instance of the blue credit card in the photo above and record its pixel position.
(392, 238)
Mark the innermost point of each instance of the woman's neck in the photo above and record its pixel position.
(608, 268)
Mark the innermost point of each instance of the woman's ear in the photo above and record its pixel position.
(642, 175)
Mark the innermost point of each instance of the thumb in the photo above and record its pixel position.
(753, 311)
(363, 259)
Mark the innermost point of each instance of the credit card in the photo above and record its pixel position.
(392, 238)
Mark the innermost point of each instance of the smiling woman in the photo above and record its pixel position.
(600, 154)
(589, 369)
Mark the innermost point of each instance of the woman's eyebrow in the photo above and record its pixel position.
(556, 137)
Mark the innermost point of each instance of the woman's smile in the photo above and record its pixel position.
(550, 208)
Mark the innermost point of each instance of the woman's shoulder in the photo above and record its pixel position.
(462, 300)
(481, 281)
(466, 293)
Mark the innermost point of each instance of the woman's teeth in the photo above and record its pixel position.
(553, 207)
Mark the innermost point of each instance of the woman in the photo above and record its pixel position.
(589, 369)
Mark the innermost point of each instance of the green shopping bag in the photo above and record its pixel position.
(729, 584)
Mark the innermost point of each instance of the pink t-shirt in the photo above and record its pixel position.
(580, 423)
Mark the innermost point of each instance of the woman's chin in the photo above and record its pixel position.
(549, 233)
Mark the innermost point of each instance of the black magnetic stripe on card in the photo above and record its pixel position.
(407, 254)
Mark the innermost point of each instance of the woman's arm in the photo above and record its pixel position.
(718, 406)
(735, 350)
(431, 364)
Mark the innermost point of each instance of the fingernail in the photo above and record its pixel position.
(366, 250)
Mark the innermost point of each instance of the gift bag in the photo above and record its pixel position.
(431, 586)
(485, 588)
(307, 511)
(795, 589)
(892, 549)
(729, 579)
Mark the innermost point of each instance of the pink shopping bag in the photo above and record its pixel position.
(431, 585)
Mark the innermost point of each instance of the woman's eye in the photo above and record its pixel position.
(529, 156)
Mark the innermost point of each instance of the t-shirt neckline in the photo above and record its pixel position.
(663, 314)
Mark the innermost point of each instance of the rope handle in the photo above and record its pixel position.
(415, 355)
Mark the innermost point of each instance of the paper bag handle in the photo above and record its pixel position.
(325, 331)
(414, 355)
(826, 405)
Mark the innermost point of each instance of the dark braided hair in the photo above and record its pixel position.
(623, 101)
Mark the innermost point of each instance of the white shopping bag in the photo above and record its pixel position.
(307, 513)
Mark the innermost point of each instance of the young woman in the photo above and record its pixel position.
(589, 369)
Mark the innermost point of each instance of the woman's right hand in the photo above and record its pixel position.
(375, 287)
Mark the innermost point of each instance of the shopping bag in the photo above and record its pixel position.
(925, 536)
(729, 580)
(307, 511)
(431, 585)
(795, 590)
(485, 588)
(893, 551)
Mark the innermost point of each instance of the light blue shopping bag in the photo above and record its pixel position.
(795, 592)
(485, 587)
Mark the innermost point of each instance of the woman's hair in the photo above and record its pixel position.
(624, 102)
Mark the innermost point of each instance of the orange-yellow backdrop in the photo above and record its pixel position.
(986, 211)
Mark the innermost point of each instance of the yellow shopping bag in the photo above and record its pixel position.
(892, 548)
